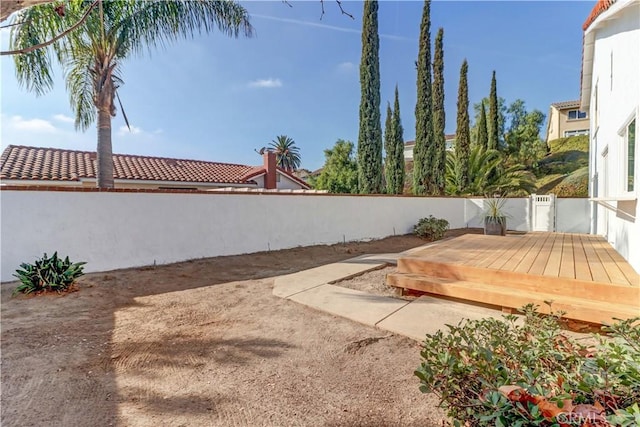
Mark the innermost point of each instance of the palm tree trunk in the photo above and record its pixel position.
(105, 152)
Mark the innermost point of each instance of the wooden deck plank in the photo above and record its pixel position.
(515, 258)
(527, 260)
(576, 307)
(540, 263)
(567, 262)
(499, 260)
(582, 268)
(598, 272)
(499, 246)
(436, 247)
(601, 248)
(553, 264)
(632, 276)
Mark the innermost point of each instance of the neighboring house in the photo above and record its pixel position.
(566, 119)
(53, 166)
(449, 141)
(610, 91)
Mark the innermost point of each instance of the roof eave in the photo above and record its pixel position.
(587, 69)
(610, 13)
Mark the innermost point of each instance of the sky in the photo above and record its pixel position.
(219, 99)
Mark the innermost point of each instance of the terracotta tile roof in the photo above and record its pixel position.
(566, 104)
(36, 163)
(601, 6)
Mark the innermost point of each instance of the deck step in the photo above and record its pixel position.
(522, 282)
(578, 308)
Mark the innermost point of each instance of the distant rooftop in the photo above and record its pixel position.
(566, 104)
(55, 164)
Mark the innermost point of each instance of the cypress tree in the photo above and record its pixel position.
(440, 153)
(370, 133)
(462, 129)
(398, 133)
(390, 151)
(483, 136)
(493, 125)
(423, 149)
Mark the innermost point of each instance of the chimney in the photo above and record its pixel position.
(270, 169)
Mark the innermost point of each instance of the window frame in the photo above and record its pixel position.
(630, 158)
(576, 132)
(623, 132)
(577, 117)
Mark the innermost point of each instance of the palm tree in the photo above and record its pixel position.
(91, 56)
(287, 154)
(488, 175)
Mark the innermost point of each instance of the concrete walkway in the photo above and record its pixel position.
(412, 319)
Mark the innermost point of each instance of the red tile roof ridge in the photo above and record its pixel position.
(138, 156)
(600, 7)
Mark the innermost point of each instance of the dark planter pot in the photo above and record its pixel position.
(495, 228)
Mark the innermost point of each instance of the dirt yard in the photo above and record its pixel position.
(204, 343)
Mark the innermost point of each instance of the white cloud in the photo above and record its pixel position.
(265, 83)
(32, 125)
(346, 66)
(123, 130)
(41, 133)
(63, 118)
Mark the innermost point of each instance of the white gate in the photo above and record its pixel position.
(543, 212)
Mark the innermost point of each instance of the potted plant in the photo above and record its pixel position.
(495, 219)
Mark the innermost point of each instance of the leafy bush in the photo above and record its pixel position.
(574, 185)
(47, 274)
(431, 228)
(507, 373)
(570, 143)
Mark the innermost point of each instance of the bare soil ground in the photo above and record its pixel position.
(204, 343)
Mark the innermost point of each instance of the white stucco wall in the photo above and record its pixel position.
(517, 210)
(573, 215)
(112, 230)
(614, 102)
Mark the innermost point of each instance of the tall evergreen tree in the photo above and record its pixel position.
(399, 135)
(394, 146)
(440, 151)
(423, 149)
(462, 129)
(370, 133)
(493, 125)
(390, 151)
(482, 135)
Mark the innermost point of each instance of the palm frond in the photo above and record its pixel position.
(39, 24)
(80, 85)
(149, 24)
(287, 153)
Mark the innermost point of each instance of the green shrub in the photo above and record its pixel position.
(47, 274)
(574, 185)
(504, 373)
(431, 228)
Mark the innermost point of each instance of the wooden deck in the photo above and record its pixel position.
(581, 274)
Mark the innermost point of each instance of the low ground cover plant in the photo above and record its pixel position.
(47, 274)
(431, 228)
(506, 372)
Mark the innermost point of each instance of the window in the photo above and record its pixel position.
(630, 138)
(568, 133)
(576, 114)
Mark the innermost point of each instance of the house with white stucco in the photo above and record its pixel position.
(610, 92)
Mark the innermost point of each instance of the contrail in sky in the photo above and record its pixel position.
(326, 27)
